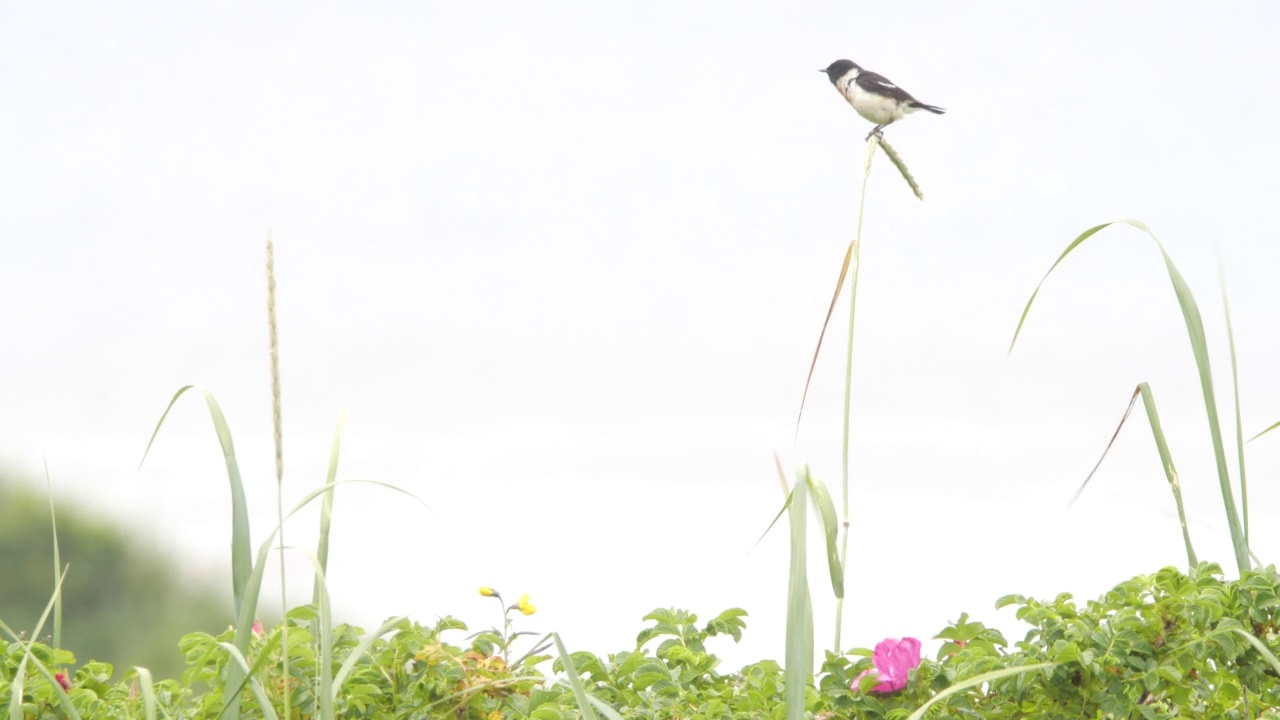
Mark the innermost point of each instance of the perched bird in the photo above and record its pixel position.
(872, 95)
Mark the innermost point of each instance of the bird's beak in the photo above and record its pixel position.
(822, 70)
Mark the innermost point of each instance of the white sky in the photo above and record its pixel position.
(565, 264)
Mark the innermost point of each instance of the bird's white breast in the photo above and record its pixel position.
(876, 108)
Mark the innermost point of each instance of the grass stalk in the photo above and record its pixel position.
(273, 350)
(856, 264)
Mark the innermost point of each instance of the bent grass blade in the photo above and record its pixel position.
(1200, 351)
(976, 680)
(821, 499)
(247, 672)
(1166, 460)
(241, 556)
(148, 692)
(835, 297)
(575, 682)
(786, 491)
(1171, 472)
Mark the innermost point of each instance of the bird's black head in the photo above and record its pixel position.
(837, 69)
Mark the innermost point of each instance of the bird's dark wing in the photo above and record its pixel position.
(880, 85)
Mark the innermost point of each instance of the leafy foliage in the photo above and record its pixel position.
(1168, 645)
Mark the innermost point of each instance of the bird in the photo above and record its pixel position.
(872, 95)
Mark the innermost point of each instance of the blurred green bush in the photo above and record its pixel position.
(123, 602)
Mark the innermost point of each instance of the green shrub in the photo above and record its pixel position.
(1168, 645)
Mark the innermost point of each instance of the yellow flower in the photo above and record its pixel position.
(525, 606)
(487, 591)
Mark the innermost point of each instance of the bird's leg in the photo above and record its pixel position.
(876, 131)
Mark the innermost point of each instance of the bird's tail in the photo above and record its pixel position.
(930, 108)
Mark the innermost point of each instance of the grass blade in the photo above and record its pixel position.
(1074, 244)
(1171, 472)
(799, 650)
(244, 622)
(19, 676)
(1132, 401)
(359, 650)
(850, 261)
(1235, 399)
(835, 296)
(328, 692)
(975, 680)
(241, 562)
(1262, 649)
(786, 491)
(57, 561)
(326, 505)
(575, 682)
(1200, 350)
(148, 692)
(253, 587)
(245, 671)
(242, 678)
(604, 708)
(830, 528)
(1271, 427)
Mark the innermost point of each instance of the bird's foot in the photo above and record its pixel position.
(877, 131)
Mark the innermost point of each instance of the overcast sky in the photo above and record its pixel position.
(564, 264)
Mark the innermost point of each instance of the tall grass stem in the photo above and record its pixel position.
(856, 263)
(273, 349)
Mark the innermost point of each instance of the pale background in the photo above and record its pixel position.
(565, 264)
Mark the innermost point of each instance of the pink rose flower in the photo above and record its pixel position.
(893, 660)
